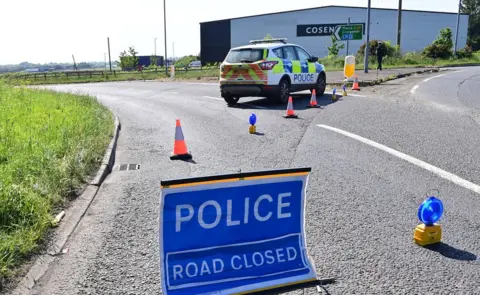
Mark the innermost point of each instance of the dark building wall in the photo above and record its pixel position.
(144, 60)
(214, 41)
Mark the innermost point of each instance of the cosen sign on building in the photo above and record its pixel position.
(322, 29)
(236, 233)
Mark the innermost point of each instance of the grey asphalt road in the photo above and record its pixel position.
(362, 201)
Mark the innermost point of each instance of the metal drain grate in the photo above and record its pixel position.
(128, 167)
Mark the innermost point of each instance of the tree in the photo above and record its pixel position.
(268, 37)
(153, 61)
(129, 60)
(335, 48)
(445, 38)
(441, 46)
(472, 7)
(133, 55)
(124, 60)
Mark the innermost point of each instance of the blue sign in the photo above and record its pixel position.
(234, 233)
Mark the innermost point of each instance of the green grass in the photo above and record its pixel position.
(17, 79)
(331, 64)
(49, 144)
(185, 61)
(405, 61)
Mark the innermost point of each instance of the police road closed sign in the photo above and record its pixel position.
(231, 234)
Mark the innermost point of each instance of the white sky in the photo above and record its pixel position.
(42, 31)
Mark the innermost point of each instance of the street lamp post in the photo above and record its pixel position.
(165, 32)
(456, 30)
(367, 45)
(155, 46)
(173, 50)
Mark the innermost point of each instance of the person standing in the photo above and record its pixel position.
(381, 51)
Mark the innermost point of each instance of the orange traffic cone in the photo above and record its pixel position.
(290, 111)
(355, 84)
(313, 100)
(179, 147)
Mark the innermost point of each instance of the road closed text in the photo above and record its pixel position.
(267, 257)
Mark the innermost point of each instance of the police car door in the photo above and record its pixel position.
(291, 65)
(309, 73)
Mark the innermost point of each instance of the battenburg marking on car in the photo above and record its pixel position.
(252, 72)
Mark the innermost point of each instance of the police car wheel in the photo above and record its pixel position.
(321, 84)
(283, 91)
(231, 100)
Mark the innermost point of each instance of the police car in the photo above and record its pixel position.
(269, 68)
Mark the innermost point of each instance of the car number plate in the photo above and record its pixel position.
(240, 71)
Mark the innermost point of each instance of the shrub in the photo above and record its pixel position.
(392, 51)
(335, 48)
(410, 58)
(442, 51)
(441, 46)
(466, 52)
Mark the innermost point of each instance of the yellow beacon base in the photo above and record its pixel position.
(426, 235)
(252, 129)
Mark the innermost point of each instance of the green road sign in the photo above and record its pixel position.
(349, 32)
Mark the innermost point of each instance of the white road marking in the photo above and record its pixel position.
(442, 173)
(212, 97)
(434, 77)
(172, 92)
(414, 89)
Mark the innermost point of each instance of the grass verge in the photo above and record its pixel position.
(49, 144)
(409, 60)
(46, 79)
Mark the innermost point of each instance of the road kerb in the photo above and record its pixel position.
(386, 79)
(108, 159)
(73, 216)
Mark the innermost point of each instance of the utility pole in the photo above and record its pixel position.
(165, 32)
(348, 22)
(74, 63)
(105, 61)
(109, 56)
(456, 31)
(173, 50)
(399, 23)
(367, 45)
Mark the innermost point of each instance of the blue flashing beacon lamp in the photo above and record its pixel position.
(252, 120)
(429, 212)
(334, 94)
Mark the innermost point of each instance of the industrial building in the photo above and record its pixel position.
(312, 28)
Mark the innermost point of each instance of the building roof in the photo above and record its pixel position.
(263, 45)
(329, 6)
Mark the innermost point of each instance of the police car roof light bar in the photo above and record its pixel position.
(274, 40)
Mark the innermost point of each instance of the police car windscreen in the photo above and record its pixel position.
(244, 55)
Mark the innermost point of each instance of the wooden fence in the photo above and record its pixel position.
(91, 74)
